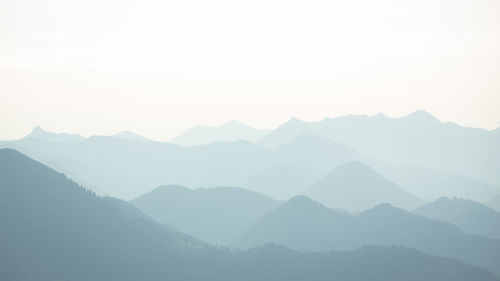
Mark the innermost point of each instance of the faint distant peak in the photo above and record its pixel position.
(380, 115)
(42, 134)
(130, 136)
(295, 120)
(293, 123)
(234, 123)
(421, 115)
(37, 129)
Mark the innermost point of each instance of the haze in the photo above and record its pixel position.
(160, 67)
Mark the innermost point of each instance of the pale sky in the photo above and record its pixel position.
(159, 67)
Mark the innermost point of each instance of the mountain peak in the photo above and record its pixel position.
(355, 186)
(472, 217)
(41, 134)
(421, 115)
(300, 199)
(294, 120)
(230, 131)
(130, 136)
(37, 129)
(234, 123)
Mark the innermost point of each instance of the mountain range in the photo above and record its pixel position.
(230, 131)
(216, 215)
(54, 229)
(126, 166)
(418, 139)
(472, 217)
(355, 186)
(306, 225)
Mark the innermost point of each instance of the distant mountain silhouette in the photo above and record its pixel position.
(286, 132)
(357, 187)
(322, 154)
(53, 229)
(282, 181)
(216, 215)
(41, 134)
(126, 169)
(230, 131)
(130, 136)
(417, 139)
(470, 216)
(303, 224)
(494, 202)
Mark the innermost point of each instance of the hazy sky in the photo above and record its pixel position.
(159, 67)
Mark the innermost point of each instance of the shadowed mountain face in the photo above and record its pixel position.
(303, 224)
(418, 139)
(216, 215)
(275, 263)
(470, 216)
(230, 131)
(357, 187)
(53, 229)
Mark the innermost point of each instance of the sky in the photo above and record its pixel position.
(160, 67)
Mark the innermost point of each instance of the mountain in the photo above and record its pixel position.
(282, 181)
(470, 216)
(306, 225)
(130, 136)
(299, 223)
(230, 131)
(374, 263)
(127, 209)
(216, 215)
(320, 155)
(286, 132)
(39, 133)
(53, 229)
(355, 186)
(418, 139)
(494, 202)
(126, 168)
